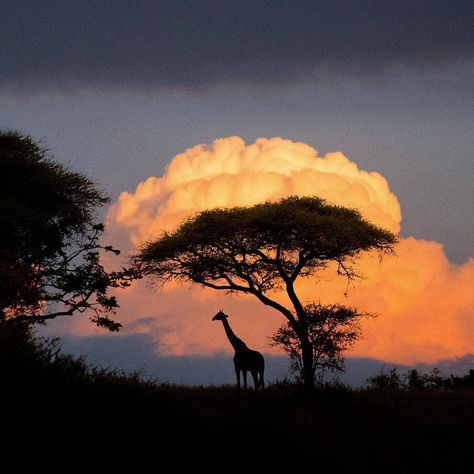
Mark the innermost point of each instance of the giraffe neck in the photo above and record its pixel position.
(237, 343)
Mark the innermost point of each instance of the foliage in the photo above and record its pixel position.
(332, 329)
(416, 380)
(392, 380)
(67, 399)
(261, 247)
(466, 381)
(49, 242)
(264, 248)
(27, 360)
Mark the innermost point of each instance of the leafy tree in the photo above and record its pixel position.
(37, 369)
(392, 380)
(332, 329)
(414, 380)
(264, 248)
(49, 239)
(434, 379)
(417, 380)
(466, 381)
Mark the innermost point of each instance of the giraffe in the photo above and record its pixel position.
(245, 359)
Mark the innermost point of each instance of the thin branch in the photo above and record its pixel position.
(42, 317)
(220, 287)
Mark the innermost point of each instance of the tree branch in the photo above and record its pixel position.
(300, 311)
(302, 261)
(229, 287)
(43, 317)
(273, 304)
(232, 286)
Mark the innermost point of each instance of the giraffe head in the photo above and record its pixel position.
(220, 316)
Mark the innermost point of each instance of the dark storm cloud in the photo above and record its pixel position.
(156, 44)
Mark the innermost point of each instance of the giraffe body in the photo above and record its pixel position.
(245, 359)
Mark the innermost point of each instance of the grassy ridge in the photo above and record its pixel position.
(378, 427)
(51, 399)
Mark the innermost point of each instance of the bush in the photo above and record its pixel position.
(33, 365)
(391, 380)
(416, 380)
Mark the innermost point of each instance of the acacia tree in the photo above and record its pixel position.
(332, 329)
(49, 239)
(263, 249)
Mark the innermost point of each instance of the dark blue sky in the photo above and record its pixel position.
(117, 88)
(153, 44)
(138, 353)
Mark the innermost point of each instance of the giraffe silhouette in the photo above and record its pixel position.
(245, 359)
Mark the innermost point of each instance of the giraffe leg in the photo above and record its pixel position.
(255, 379)
(262, 383)
(237, 374)
(244, 374)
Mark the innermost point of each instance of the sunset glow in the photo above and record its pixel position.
(424, 303)
(247, 224)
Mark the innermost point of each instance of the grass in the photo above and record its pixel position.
(378, 427)
(57, 400)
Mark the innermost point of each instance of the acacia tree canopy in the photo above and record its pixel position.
(49, 238)
(332, 329)
(264, 248)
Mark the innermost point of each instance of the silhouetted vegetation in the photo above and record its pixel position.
(113, 407)
(56, 396)
(50, 266)
(49, 240)
(263, 248)
(28, 361)
(414, 379)
(332, 329)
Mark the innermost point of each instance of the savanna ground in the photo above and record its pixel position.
(59, 405)
(362, 430)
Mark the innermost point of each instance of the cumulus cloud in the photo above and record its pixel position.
(161, 44)
(425, 303)
(231, 173)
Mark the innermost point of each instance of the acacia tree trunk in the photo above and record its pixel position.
(300, 326)
(307, 370)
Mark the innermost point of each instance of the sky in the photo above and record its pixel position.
(379, 92)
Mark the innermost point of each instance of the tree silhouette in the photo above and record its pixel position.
(332, 329)
(265, 248)
(49, 239)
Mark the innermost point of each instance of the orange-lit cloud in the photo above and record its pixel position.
(425, 303)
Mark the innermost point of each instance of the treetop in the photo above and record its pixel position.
(306, 224)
